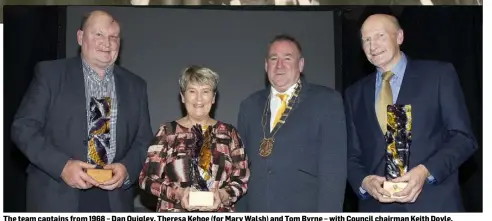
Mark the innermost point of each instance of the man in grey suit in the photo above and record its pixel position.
(294, 134)
(79, 113)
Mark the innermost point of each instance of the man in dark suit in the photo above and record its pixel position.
(82, 112)
(294, 134)
(441, 136)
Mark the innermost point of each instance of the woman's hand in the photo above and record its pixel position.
(220, 197)
(184, 195)
(217, 203)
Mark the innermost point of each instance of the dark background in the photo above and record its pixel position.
(158, 52)
(446, 33)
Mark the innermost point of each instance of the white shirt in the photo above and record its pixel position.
(275, 102)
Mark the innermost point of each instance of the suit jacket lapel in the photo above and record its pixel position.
(369, 98)
(256, 120)
(75, 95)
(408, 85)
(372, 120)
(121, 87)
(262, 104)
(302, 94)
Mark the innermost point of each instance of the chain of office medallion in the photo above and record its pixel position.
(265, 111)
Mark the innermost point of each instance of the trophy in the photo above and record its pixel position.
(200, 195)
(398, 140)
(99, 138)
(100, 175)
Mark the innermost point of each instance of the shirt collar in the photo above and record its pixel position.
(289, 91)
(398, 70)
(108, 72)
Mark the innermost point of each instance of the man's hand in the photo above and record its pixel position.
(415, 179)
(119, 175)
(374, 186)
(74, 175)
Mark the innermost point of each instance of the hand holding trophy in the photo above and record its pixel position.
(99, 174)
(73, 174)
(398, 141)
(99, 138)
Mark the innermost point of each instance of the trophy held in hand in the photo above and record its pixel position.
(200, 174)
(99, 138)
(398, 141)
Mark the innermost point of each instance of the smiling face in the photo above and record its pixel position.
(198, 100)
(283, 64)
(99, 40)
(381, 40)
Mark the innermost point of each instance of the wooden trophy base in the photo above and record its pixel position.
(201, 198)
(393, 188)
(100, 175)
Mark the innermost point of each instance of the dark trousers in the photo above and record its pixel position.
(393, 208)
(94, 200)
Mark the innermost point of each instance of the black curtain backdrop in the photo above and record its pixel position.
(454, 34)
(30, 35)
(445, 33)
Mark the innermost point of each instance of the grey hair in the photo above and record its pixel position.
(196, 74)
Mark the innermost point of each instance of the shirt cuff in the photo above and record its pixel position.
(362, 193)
(431, 180)
(127, 183)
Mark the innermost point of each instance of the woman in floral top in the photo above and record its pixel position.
(196, 152)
